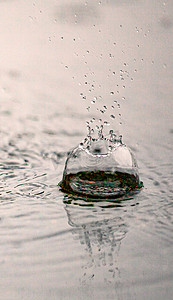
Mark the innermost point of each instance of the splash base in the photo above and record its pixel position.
(100, 168)
(100, 184)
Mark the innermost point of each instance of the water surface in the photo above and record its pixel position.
(54, 246)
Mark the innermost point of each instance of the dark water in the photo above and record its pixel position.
(100, 184)
(54, 246)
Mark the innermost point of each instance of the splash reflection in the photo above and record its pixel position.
(100, 230)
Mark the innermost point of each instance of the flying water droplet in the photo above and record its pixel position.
(106, 123)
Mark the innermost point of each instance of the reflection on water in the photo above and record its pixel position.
(100, 227)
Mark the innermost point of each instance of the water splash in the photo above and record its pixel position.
(100, 167)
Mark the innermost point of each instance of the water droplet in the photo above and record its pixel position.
(112, 137)
(106, 123)
(100, 132)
